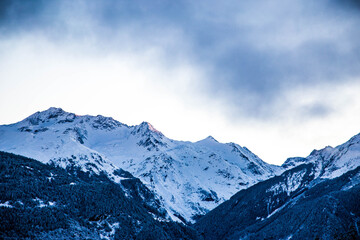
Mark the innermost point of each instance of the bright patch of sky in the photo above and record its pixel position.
(277, 77)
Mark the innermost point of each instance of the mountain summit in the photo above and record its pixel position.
(189, 178)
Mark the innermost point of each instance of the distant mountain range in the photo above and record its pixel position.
(189, 178)
(294, 205)
(219, 191)
(318, 197)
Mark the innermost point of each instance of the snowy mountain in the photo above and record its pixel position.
(331, 162)
(316, 198)
(293, 205)
(189, 178)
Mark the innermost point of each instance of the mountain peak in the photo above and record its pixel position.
(326, 149)
(51, 113)
(354, 139)
(211, 138)
(146, 127)
(54, 110)
(108, 123)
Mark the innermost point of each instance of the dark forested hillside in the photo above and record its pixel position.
(40, 201)
(290, 206)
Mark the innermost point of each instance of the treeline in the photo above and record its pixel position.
(317, 209)
(50, 202)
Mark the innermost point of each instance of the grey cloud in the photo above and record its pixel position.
(254, 52)
(316, 110)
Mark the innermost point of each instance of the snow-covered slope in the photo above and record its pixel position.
(56, 136)
(332, 162)
(190, 178)
(316, 197)
(294, 205)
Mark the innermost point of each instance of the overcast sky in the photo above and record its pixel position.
(279, 77)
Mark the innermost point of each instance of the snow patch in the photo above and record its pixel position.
(355, 180)
(292, 183)
(6, 204)
(42, 204)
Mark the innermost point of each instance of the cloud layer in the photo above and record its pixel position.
(266, 64)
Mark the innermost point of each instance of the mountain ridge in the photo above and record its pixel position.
(294, 205)
(330, 161)
(222, 189)
(190, 178)
(315, 197)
